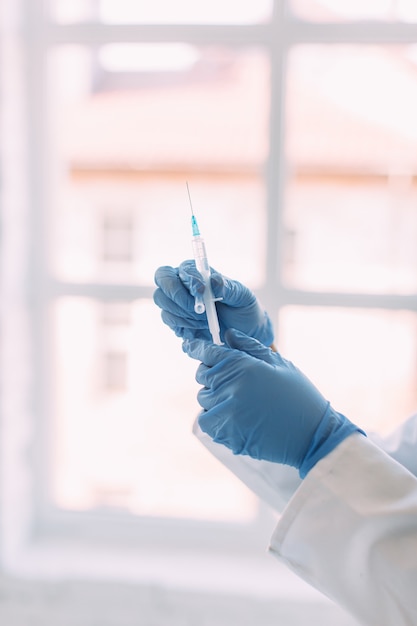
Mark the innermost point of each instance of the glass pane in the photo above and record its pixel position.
(162, 11)
(364, 362)
(128, 127)
(339, 10)
(125, 401)
(350, 216)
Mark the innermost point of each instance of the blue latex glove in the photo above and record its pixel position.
(257, 403)
(238, 308)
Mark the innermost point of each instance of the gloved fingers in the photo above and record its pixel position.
(217, 284)
(191, 278)
(207, 399)
(239, 341)
(205, 422)
(194, 282)
(194, 333)
(185, 321)
(211, 423)
(202, 375)
(204, 351)
(232, 292)
(166, 303)
(215, 424)
(235, 294)
(219, 376)
(165, 272)
(172, 293)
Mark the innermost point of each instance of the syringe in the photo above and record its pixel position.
(207, 302)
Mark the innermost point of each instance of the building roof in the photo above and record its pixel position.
(334, 119)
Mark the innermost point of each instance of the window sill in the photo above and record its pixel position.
(259, 576)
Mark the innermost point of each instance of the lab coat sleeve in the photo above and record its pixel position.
(350, 531)
(401, 444)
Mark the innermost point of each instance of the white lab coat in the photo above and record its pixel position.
(350, 528)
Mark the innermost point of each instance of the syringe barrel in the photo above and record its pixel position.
(202, 265)
(200, 256)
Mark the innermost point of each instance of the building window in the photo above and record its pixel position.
(296, 138)
(117, 238)
(115, 371)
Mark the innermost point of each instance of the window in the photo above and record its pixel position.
(117, 238)
(335, 11)
(297, 138)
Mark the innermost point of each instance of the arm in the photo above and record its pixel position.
(276, 484)
(351, 532)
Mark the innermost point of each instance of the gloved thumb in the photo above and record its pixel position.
(239, 341)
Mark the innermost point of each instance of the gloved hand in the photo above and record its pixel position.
(257, 403)
(238, 308)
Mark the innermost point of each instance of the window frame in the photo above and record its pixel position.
(29, 287)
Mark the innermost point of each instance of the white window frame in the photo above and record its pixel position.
(29, 525)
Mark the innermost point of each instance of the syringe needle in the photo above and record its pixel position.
(189, 197)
